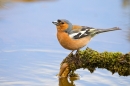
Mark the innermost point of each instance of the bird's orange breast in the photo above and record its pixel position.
(69, 43)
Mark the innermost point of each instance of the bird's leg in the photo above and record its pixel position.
(77, 58)
(71, 52)
(77, 53)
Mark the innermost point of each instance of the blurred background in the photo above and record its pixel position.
(30, 54)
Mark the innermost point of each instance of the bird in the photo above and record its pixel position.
(75, 37)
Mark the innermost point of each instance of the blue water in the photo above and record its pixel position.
(30, 54)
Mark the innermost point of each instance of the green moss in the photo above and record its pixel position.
(115, 62)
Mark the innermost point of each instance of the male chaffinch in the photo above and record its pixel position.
(74, 37)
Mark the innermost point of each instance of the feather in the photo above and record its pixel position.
(85, 31)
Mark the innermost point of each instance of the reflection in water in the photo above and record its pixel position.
(126, 3)
(129, 34)
(65, 81)
(4, 2)
(31, 0)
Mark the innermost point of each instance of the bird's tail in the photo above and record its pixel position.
(107, 30)
(93, 32)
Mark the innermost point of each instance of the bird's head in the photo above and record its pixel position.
(63, 25)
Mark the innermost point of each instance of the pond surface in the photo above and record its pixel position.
(30, 54)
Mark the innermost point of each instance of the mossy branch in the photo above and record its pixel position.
(115, 62)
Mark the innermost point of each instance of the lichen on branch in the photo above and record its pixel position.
(115, 62)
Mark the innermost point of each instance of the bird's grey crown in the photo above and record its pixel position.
(64, 20)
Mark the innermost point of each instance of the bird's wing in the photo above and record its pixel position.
(83, 31)
(80, 32)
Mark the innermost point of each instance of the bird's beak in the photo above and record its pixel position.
(55, 22)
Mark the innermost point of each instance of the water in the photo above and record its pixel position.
(30, 54)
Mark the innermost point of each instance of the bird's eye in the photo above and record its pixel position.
(62, 22)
